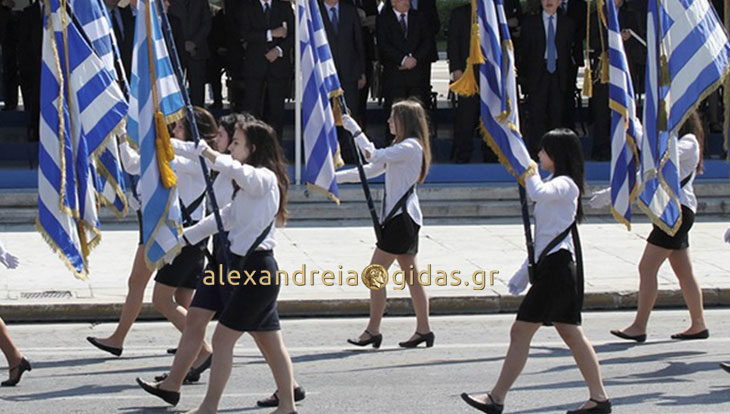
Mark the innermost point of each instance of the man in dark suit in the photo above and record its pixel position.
(344, 33)
(123, 25)
(267, 29)
(547, 50)
(576, 10)
(368, 13)
(190, 21)
(405, 44)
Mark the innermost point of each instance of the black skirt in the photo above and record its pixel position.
(680, 240)
(185, 269)
(213, 296)
(399, 235)
(253, 307)
(555, 296)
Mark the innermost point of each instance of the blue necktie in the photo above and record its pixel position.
(552, 53)
(333, 20)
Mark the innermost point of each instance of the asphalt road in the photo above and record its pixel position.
(659, 376)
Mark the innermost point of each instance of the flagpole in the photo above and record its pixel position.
(177, 67)
(297, 100)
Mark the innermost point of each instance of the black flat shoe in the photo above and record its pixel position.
(376, 340)
(688, 337)
(273, 401)
(112, 350)
(171, 351)
(490, 408)
(170, 397)
(193, 375)
(428, 338)
(725, 366)
(638, 338)
(602, 407)
(13, 380)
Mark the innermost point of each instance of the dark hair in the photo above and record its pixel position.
(207, 126)
(693, 125)
(266, 152)
(228, 123)
(411, 121)
(564, 149)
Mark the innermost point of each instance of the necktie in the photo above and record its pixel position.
(118, 26)
(267, 13)
(333, 20)
(403, 26)
(552, 53)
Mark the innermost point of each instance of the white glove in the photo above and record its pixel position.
(8, 259)
(350, 124)
(518, 283)
(727, 235)
(601, 198)
(202, 146)
(365, 145)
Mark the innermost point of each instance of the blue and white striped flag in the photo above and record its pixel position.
(320, 84)
(95, 23)
(687, 58)
(498, 91)
(625, 126)
(154, 89)
(80, 107)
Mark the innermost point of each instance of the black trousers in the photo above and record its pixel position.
(364, 93)
(466, 121)
(569, 104)
(264, 99)
(396, 91)
(196, 71)
(11, 45)
(546, 109)
(601, 123)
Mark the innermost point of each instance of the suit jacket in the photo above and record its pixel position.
(190, 21)
(428, 11)
(125, 38)
(370, 9)
(253, 28)
(532, 58)
(457, 46)
(577, 10)
(394, 47)
(346, 46)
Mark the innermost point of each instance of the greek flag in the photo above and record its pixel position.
(319, 77)
(498, 92)
(154, 94)
(687, 58)
(625, 126)
(92, 16)
(80, 108)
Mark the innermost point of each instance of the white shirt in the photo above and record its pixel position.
(254, 207)
(223, 190)
(689, 156)
(545, 25)
(401, 163)
(398, 15)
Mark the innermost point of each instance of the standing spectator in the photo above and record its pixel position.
(190, 21)
(29, 61)
(235, 54)
(10, 45)
(576, 10)
(344, 33)
(267, 28)
(427, 9)
(123, 25)
(368, 12)
(513, 13)
(547, 49)
(405, 44)
(217, 61)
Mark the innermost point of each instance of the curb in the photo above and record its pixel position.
(308, 308)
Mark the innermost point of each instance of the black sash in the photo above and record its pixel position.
(242, 259)
(400, 205)
(187, 211)
(572, 229)
(686, 180)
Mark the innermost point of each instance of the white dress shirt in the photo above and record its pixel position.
(401, 163)
(689, 156)
(252, 209)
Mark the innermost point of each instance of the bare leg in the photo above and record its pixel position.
(189, 347)
(136, 284)
(162, 300)
(586, 359)
(12, 354)
(265, 352)
(281, 367)
(184, 296)
(649, 265)
(682, 266)
(224, 340)
(377, 297)
(418, 293)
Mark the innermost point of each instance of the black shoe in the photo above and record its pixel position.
(686, 337)
(193, 375)
(602, 407)
(273, 401)
(112, 350)
(19, 369)
(428, 338)
(638, 338)
(172, 351)
(725, 366)
(490, 407)
(376, 340)
(170, 397)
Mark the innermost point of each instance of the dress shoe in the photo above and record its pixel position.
(376, 340)
(638, 338)
(112, 350)
(273, 401)
(171, 351)
(428, 338)
(601, 407)
(491, 407)
(170, 397)
(688, 337)
(16, 372)
(193, 375)
(725, 366)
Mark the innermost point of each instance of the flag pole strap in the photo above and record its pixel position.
(528, 233)
(174, 58)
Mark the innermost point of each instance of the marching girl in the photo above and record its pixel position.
(17, 364)
(257, 175)
(556, 295)
(660, 246)
(175, 282)
(405, 163)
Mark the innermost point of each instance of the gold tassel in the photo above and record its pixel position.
(466, 85)
(587, 71)
(664, 78)
(604, 67)
(83, 241)
(662, 116)
(165, 152)
(588, 83)
(337, 110)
